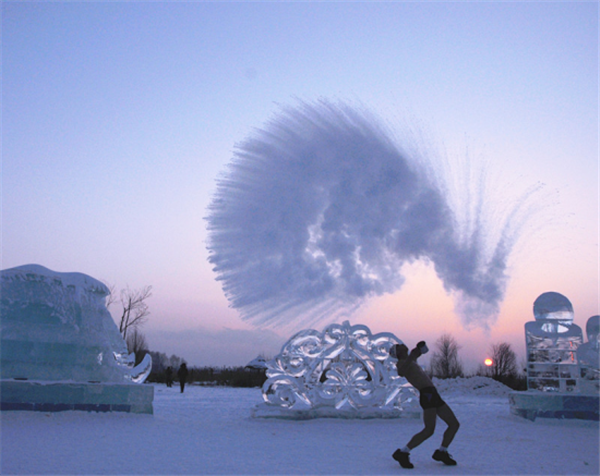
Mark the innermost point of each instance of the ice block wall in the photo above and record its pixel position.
(60, 345)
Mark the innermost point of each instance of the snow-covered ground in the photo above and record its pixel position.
(210, 431)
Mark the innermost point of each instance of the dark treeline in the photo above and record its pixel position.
(444, 364)
(217, 376)
(213, 376)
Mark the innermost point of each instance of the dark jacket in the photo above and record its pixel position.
(182, 373)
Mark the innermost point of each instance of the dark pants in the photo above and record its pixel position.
(430, 398)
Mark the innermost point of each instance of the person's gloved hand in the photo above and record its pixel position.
(419, 350)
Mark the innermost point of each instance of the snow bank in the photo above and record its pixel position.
(471, 386)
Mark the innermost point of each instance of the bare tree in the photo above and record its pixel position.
(504, 362)
(175, 361)
(444, 361)
(111, 298)
(136, 343)
(135, 308)
(160, 361)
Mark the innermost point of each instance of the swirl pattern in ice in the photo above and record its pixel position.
(343, 371)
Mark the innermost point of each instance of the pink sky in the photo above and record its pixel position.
(119, 117)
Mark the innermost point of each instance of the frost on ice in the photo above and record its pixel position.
(55, 326)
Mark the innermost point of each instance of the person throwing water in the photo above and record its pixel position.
(431, 402)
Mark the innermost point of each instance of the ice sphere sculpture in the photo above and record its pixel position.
(55, 327)
(562, 372)
(552, 342)
(344, 371)
(588, 355)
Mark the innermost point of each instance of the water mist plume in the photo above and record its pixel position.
(319, 210)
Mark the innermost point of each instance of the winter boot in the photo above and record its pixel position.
(444, 457)
(402, 458)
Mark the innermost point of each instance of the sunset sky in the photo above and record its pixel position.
(118, 117)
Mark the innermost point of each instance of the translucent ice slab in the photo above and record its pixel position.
(55, 327)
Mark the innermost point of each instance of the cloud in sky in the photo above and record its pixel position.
(318, 211)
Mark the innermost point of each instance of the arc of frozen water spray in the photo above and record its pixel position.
(319, 210)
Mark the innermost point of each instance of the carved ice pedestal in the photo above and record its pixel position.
(60, 348)
(342, 372)
(562, 372)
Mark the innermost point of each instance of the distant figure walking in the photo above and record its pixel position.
(169, 376)
(431, 402)
(182, 373)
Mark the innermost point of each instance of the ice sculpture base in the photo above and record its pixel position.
(534, 404)
(265, 410)
(53, 396)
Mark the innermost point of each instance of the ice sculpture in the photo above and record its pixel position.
(59, 343)
(562, 372)
(552, 342)
(588, 356)
(344, 371)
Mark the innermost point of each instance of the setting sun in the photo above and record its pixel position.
(488, 362)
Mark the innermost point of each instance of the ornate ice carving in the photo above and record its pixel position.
(343, 371)
(552, 342)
